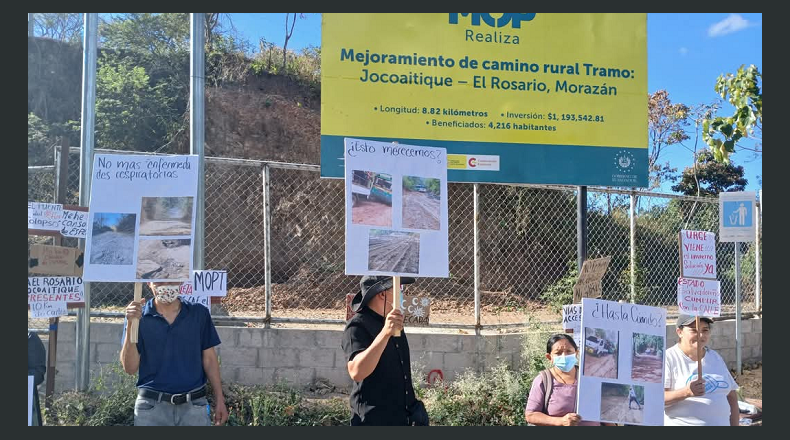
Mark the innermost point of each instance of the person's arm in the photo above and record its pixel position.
(732, 399)
(211, 367)
(539, 419)
(36, 358)
(130, 357)
(695, 388)
(365, 361)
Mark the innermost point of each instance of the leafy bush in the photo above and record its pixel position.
(560, 292)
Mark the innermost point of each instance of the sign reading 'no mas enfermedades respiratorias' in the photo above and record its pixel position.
(396, 209)
(142, 218)
(514, 97)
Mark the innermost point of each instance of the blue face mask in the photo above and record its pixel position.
(565, 363)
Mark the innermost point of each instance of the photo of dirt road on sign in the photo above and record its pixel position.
(647, 358)
(421, 207)
(371, 198)
(393, 251)
(163, 259)
(600, 352)
(112, 240)
(166, 216)
(622, 403)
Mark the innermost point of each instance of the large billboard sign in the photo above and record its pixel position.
(514, 98)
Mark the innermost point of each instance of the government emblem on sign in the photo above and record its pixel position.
(624, 160)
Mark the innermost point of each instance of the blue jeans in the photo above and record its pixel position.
(149, 412)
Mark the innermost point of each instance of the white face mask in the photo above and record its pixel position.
(167, 294)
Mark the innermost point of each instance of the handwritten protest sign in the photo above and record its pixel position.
(54, 260)
(622, 363)
(396, 209)
(56, 219)
(589, 283)
(572, 321)
(697, 254)
(142, 216)
(416, 310)
(210, 282)
(197, 299)
(699, 297)
(55, 289)
(48, 309)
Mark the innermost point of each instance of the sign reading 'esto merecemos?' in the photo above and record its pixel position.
(522, 97)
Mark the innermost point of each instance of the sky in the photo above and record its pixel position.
(685, 55)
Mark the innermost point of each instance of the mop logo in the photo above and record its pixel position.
(507, 18)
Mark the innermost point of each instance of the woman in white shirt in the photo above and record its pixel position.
(688, 400)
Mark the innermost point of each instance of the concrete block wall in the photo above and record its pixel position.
(300, 356)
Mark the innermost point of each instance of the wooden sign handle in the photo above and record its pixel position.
(699, 353)
(134, 325)
(396, 297)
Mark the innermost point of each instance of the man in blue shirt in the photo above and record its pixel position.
(174, 354)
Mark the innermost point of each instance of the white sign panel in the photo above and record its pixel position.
(142, 218)
(48, 309)
(396, 209)
(699, 297)
(74, 224)
(30, 389)
(697, 254)
(197, 299)
(622, 363)
(572, 322)
(55, 289)
(736, 216)
(45, 216)
(210, 282)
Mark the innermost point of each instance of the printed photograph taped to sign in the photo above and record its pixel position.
(559, 98)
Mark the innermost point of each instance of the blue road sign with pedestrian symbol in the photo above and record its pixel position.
(737, 214)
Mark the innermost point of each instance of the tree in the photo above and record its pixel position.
(666, 126)
(711, 177)
(288, 36)
(742, 90)
(61, 26)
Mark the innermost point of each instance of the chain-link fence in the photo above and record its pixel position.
(526, 239)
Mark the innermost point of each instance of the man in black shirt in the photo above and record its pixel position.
(378, 361)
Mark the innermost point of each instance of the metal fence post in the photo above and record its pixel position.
(738, 336)
(91, 20)
(267, 250)
(476, 211)
(581, 226)
(757, 259)
(632, 210)
(197, 79)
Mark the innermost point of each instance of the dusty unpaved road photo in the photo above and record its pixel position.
(165, 227)
(615, 408)
(371, 213)
(420, 211)
(112, 248)
(158, 259)
(395, 253)
(600, 366)
(647, 368)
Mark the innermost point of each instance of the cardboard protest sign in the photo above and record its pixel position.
(699, 297)
(589, 283)
(697, 254)
(396, 209)
(48, 309)
(57, 220)
(54, 260)
(622, 363)
(142, 218)
(572, 321)
(416, 310)
(209, 282)
(55, 289)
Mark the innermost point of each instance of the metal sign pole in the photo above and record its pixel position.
(738, 336)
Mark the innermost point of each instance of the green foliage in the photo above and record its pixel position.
(742, 90)
(39, 143)
(666, 126)
(643, 341)
(560, 292)
(282, 406)
(61, 26)
(710, 177)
